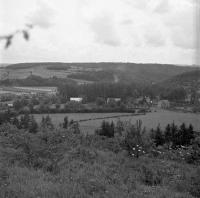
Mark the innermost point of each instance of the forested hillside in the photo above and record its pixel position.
(95, 72)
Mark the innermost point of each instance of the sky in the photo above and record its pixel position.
(145, 31)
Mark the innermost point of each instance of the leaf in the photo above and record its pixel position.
(8, 41)
(26, 35)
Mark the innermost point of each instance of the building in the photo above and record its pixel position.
(30, 90)
(76, 99)
(10, 104)
(148, 100)
(139, 100)
(163, 104)
(113, 100)
(188, 98)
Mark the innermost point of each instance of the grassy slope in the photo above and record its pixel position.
(97, 167)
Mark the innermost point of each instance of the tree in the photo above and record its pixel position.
(183, 136)
(107, 129)
(75, 128)
(174, 133)
(158, 136)
(15, 122)
(17, 105)
(135, 139)
(24, 121)
(167, 135)
(119, 128)
(33, 126)
(66, 122)
(46, 123)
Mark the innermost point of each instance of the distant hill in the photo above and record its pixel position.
(124, 72)
(3, 65)
(186, 79)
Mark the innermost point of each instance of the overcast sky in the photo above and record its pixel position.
(161, 31)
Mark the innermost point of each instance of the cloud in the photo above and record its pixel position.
(127, 22)
(154, 37)
(182, 27)
(141, 4)
(104, 30)
(42, 17)
(162, 7)
(183, 39)
(101, 30)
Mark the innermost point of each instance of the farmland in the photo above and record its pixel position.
(95, 72)
(150, 120)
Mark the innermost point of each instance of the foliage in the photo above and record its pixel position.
(103, 76)
(136, 141)
(107, 129)
(61, 163)
(46, 123)
(158, 136)
(9, 38)
(173, 135)
(66, 122)
(194, 152)
(195, 183)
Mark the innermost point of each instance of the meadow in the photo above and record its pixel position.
(150, 120)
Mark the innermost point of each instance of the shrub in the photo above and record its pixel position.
(107, 129)
(195, 184)
(41, 150)
(66, 122)
(194, 152)
(136, 142)
(158, 136)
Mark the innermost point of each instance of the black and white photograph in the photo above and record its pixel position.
(99, 99)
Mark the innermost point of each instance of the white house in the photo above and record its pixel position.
(10, 104)
(76, 99)
(113, 99)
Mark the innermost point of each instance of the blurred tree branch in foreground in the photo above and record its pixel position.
(9, 37)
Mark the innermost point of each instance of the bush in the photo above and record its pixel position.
(195, 184)
(136, 141)
(173, 135)
(158, 136)
(41, 150)
(107, 129)
(194, 152)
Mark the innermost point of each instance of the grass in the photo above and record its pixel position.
(89, 173)
(150, 120)
(94, 166)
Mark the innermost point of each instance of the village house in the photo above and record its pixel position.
(148, 100)
(188, 98)
(113, 100)
(139, 100)
(76, 99)
(30, 90)
(163, 104)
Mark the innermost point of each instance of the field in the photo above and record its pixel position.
(150, 120)
(92, 72)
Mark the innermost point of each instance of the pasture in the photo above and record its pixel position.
(150, 120)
